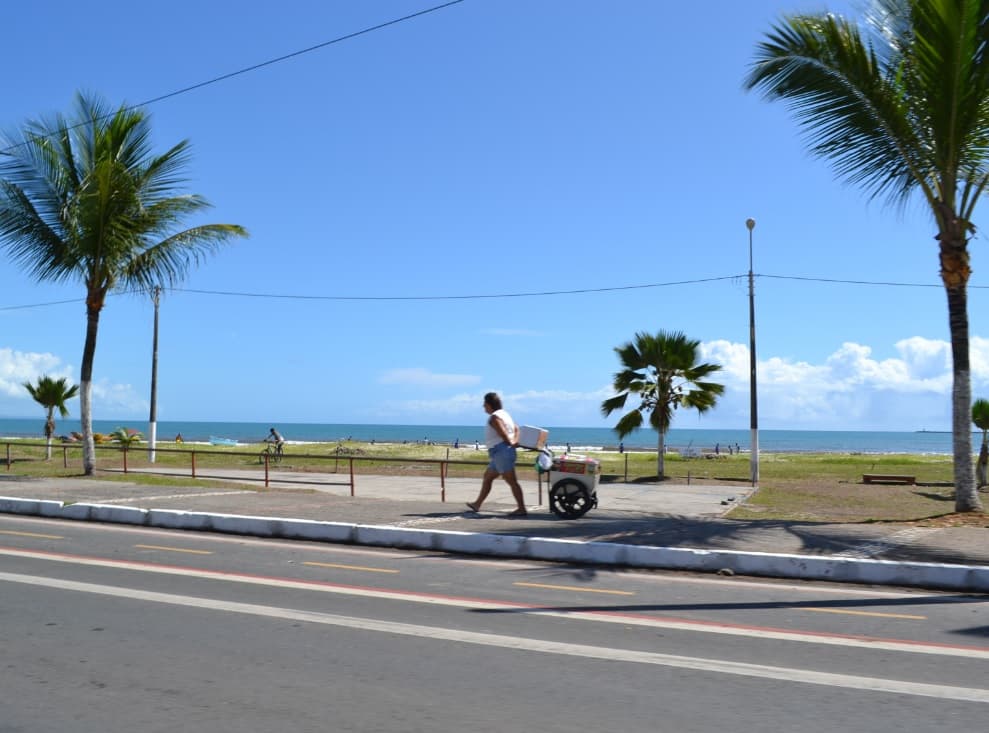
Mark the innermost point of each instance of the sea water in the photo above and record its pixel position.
(707, 439)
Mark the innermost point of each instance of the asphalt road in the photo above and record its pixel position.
(119, 628)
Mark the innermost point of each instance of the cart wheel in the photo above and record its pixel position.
(569, 499)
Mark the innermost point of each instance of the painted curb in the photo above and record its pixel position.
(807, 567)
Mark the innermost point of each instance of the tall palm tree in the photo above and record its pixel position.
(663, 373)
(52, 394)
(900, 105)
(87, 199)
(980, 416)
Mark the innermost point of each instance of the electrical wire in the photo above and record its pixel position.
(255, 67)
(491, 296)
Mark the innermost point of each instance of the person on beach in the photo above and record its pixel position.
(501, 436)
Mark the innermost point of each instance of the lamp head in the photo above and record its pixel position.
(750, 223)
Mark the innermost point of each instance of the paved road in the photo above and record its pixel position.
(129, 628)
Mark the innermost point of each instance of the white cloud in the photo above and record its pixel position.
(17, 367)
(540, 407)
(425, 378)
(850, 389)
(116, 400)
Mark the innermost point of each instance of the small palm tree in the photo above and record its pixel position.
(980, 416)
(86, 199)
(662, 371)
(126, 437)
(52, 394)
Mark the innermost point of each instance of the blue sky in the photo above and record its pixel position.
(491, 148)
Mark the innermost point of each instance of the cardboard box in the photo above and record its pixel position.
(570, 463)
(532, 437)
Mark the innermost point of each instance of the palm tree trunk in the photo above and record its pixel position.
(49, 432)
(954, 273)
(661, 456)
(86, 389)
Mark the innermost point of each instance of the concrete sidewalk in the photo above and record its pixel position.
(643, 525)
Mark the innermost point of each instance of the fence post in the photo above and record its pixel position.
(8, 456)
(351, 476)
(443, 477)
(266, 485)
(65, 457)
(626, 468)
(194, 463)
(125, 459)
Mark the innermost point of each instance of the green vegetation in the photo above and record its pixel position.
(663, 373)
(52, 394)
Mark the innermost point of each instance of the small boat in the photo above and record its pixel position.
(213, 440)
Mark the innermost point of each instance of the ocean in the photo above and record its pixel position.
(773, 441)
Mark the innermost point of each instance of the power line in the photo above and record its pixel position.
(475, 296)
(862, 282)
(263, 64)
(492, 296)
(279, 59)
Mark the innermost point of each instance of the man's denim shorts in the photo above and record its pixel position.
(502, 457)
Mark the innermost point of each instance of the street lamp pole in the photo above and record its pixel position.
(153, 418)
(753, 402)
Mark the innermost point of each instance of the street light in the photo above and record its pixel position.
(153, 418)
(753, 402)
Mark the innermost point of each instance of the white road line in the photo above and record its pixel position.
(627, 619)
(788, 674)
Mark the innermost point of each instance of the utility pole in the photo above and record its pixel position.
(753, 401)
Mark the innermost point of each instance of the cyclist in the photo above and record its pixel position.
(275, 437)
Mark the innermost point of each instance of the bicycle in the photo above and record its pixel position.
(272, 453)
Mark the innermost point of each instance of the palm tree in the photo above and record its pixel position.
(980, 416)
(662, 371)
(86, 199)
(901, 105)
(52, 394)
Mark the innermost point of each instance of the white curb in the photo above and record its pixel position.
(808, 567)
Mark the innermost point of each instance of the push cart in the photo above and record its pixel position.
(573, 484)
(573, 479)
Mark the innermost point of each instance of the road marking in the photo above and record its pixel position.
(577, 588)
(349, 567)
(867, 613)
(632, 656)
(32, 534)
(492, 606)
(174, 549)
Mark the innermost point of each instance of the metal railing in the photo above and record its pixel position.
(263, 459)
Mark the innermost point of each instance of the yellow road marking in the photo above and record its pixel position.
(32, 534)
(350, 567)
(579, 588)
(868, 613)
(174, 549)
